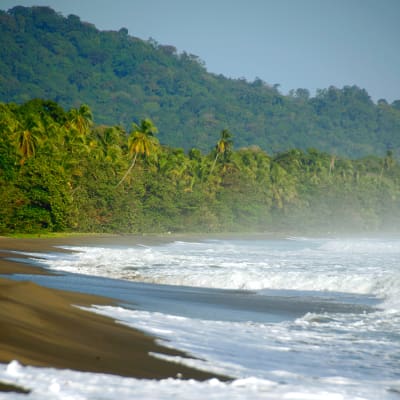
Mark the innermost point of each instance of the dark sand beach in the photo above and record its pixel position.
(43, 327)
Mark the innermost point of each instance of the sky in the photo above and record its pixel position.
(309, 44)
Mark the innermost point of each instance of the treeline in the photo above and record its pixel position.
(61, 172)
(46, 55)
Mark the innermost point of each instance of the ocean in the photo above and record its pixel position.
(294, 318)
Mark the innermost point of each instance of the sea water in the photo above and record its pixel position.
(296, 318)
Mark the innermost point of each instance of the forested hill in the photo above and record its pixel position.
(123, 79)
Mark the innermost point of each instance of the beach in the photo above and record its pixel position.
(43, 327)
(283, 318)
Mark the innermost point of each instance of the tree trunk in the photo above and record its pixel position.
(128, 171)
(213, 165)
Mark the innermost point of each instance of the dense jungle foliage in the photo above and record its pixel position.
(61, 172)
(46, 55)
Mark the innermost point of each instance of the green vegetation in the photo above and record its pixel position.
(60, 172)
(46, 55)
(302, 164)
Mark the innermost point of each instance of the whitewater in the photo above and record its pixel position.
(294, 318)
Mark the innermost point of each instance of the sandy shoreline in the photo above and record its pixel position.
(41, 327)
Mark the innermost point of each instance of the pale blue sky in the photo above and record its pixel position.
(295, 43)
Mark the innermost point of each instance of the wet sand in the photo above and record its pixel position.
(43, 327)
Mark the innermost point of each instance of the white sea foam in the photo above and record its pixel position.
(341, 345)
(368, 266)
(51, 384)
(303, 359)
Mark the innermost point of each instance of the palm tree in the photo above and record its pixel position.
(332, 164)
(389, 162)
(77, 126)
(141, 141)
(282, 186)
(27, 137)
(223, 146)
(80, 119)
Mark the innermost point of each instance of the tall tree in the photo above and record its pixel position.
(223, 146)
(27, 136)
(141, 141)
(80, 119)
